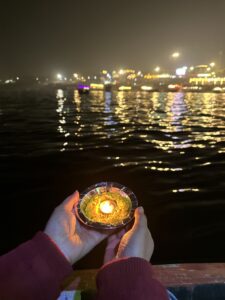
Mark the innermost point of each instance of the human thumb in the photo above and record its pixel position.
(71, 201)
(140, 218)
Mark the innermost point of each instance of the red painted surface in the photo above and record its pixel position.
(169, 275)
(190, 274)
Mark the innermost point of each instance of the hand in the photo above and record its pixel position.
(137, 242)
(72, 238)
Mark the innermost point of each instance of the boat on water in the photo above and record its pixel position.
(174, 88)
(83, 89)
(218, 89)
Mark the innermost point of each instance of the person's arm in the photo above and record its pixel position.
(127, 273)
(36, 269)
(129, 278)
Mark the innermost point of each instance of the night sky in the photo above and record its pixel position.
(44, 37)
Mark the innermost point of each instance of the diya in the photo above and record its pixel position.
(106, 205)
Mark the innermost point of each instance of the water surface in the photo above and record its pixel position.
(167, 147)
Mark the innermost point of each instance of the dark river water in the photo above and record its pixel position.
(167, 147)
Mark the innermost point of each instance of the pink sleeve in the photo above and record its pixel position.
(34, 270)
(129, 278)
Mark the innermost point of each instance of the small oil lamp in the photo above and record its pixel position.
(106, 205)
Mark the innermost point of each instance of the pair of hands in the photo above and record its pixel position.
(75, 240)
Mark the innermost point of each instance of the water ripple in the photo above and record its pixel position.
(168, 147)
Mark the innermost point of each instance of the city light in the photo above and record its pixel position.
(203, 75)
(59, 76)
(174, 87)
(126, 79)
(82, 87)
(176, 55)
(218, 89)
(106, 82)
(125, 88)
(181, 71)
(146, 88)
(97, 86)
(158, 76)
(132, 76)
(203, 80)
(9, 81)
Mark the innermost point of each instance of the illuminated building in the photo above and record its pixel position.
(181, 71)
(97, 86)
(157, 76)
(124, 88)
(146, 88)
(131, 76)
(199, 70)
(207, 80)
(124, 72)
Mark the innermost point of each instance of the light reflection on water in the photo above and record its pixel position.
(167, 147)
(173, 123)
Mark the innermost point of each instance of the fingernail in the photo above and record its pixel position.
(141, 209)
(76, 193)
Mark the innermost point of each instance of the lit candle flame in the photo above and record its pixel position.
(107, 207)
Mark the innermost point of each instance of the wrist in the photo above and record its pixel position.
(59, 248)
